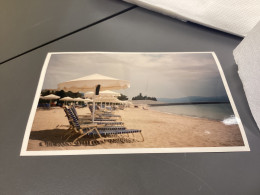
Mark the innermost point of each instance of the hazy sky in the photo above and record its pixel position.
(159, 75)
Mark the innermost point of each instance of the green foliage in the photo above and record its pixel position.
(122, 97)
(60, 93)
(45, 92)
(141, 97)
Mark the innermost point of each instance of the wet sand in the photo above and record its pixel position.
(160, 130)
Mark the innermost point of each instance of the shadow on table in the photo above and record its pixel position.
(55, 137)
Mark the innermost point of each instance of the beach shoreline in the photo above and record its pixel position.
(160, 130)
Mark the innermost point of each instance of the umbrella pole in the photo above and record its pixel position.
(93, 112)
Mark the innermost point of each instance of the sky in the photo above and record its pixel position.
(160, 75)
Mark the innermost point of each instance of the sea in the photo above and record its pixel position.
(220, 112)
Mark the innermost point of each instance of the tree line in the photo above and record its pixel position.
(122, 97)
(62, 93)
(138, 97)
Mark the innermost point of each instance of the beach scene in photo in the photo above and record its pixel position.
(133, 100)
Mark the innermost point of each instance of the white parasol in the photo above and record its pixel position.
(89, 83)
(78, 99)
(65, 99)
(92, 83)
(103, 94)
(50, 97)
(89, 94)
(108, 93)
(88, 100)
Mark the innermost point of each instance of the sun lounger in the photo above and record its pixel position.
(109, 115)
(103, 112)
(98, 120)
(75, 127)
(104, 119)
(106, 128)
(89, 117)
(109, 123)
(114, 132)
(106, 115)
(98, 133)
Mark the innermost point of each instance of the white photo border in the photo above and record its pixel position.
(24, 151)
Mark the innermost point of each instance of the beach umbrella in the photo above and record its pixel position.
(109, 100)
(108, 93)
(51, 97)
(88, 100)
(117, 101)
(78, 99)
(106, 99)
(90, 82)
(65, 99)
(89, 94)
(94, 83)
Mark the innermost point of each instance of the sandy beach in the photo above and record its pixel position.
(160, 130)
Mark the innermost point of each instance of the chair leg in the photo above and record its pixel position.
(99, 135)
(142, 136)
(73, 143)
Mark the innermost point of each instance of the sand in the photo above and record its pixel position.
(160, 130)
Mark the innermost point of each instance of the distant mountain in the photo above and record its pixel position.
(137, 102)
(193, 99)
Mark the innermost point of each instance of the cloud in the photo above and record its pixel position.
(155, 74)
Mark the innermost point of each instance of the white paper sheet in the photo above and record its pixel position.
(247, 57)
(232, 16)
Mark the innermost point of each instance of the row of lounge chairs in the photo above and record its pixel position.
(105, 127)
(44, 105)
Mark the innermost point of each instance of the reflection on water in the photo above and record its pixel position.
(221, 112)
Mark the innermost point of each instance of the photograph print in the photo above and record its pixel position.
(116, 103)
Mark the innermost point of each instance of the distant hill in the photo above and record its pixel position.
(194, 99)
(138, 102)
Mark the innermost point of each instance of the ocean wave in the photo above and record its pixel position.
(232, 120)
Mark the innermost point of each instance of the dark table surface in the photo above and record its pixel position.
(30, 30)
